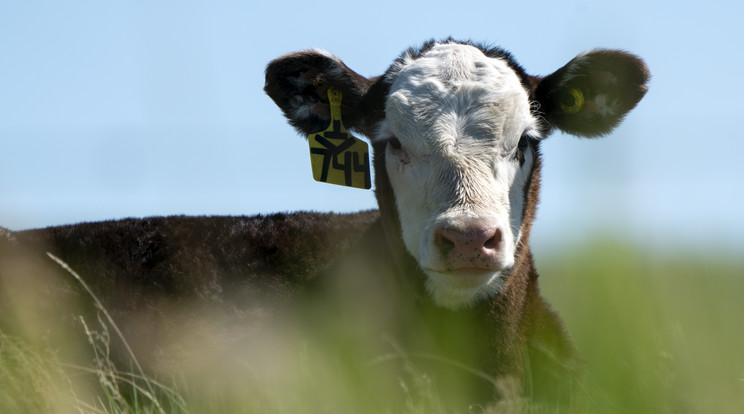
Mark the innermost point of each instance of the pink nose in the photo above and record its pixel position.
(471, 248)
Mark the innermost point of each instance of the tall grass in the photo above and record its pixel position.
(31, 381)
(34, 380)
(660, 333)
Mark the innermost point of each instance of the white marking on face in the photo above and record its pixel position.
(458, 116)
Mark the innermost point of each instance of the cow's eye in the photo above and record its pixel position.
(397, 151)
(394, 143)
(524, 142)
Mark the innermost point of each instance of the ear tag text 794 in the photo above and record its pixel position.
(336, 156)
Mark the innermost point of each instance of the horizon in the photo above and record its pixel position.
(123, 110)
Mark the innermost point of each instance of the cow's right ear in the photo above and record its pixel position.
(591, 94)
(298, 83)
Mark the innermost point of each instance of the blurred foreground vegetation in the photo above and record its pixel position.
(660, 333)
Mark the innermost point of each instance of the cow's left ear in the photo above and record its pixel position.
(591, 94)
(298, 83)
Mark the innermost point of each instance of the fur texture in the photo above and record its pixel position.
(156, 274)
(437, 165)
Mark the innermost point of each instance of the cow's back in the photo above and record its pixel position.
(166, 280)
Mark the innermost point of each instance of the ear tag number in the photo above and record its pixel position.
(335, 155)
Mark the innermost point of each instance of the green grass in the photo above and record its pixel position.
(33, 380)
(660, 333)
(30, 381)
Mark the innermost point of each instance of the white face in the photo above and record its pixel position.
(454, 119)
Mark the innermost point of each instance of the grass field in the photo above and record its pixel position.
(660, 333)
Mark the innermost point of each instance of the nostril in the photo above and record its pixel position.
(472, 248)
(443, 243)
(493, 242)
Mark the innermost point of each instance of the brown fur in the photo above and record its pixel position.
(151, 273)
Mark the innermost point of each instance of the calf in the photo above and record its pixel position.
(455, 129)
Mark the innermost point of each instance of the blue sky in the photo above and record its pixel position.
(118, 109)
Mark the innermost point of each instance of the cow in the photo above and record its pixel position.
(455, 129)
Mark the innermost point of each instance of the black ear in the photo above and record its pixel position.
(591, 94)
(298, 83)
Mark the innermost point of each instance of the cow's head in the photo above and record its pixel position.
(456, 131)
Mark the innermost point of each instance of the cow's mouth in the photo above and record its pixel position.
(463, 287)
(466, 278)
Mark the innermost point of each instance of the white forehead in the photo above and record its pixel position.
(458, 85)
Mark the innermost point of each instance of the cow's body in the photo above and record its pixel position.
(154, 275)
(455, 130)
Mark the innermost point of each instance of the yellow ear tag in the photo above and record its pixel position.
(578, 103)
(335, 155)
